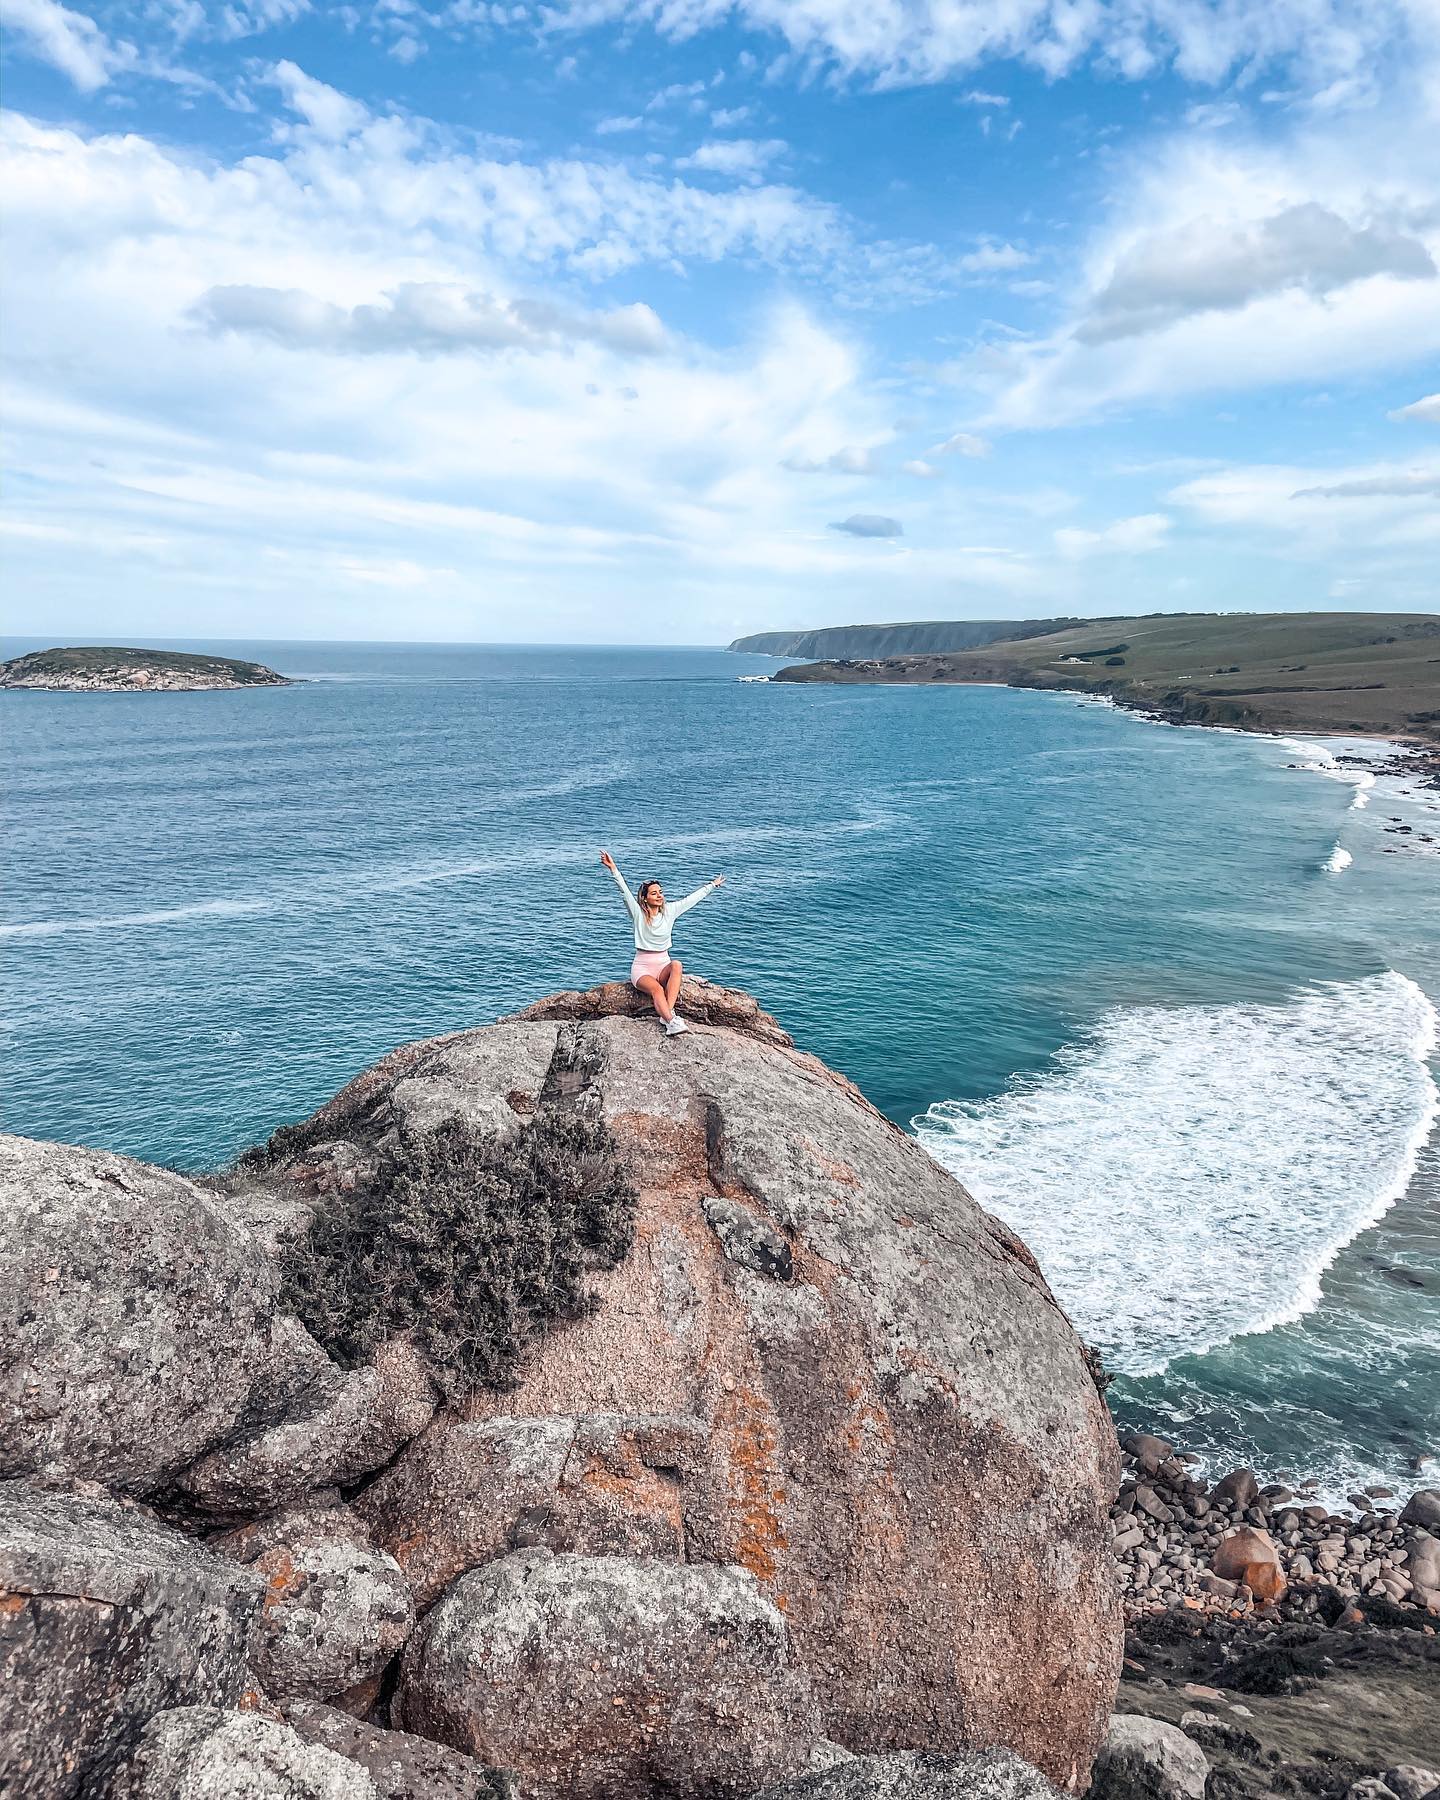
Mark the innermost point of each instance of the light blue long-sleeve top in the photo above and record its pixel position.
(654, 934)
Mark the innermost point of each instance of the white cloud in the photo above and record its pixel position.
(1206, 265)
(995, 259)
(726, 118)
(850, 459)
(1227, 262)
(919, 467)
(895, 43)
(329, 113)
(250, 473)
(978, 97)
(1427, 409)
(963, 443)
(609, 127)
(430, 317)
(69, 41)
(869, 525)
(1126, 537)
(744, 158)
(1341, 518)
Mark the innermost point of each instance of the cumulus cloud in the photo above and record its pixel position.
(963, 443)
(745, 159)
(917, 466)
(430, 317)
(978, 97)
(1427, 409)
(610, 127)
(1126, 537)
(869, 525)
(1204, 265)
(69, 41)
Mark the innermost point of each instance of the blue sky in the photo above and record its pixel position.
(664, 320)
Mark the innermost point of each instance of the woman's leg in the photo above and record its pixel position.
(672, 975)
(649, 984)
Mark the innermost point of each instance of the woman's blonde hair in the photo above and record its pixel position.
(645, 887)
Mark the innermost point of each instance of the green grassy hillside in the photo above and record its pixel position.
(1335, 672)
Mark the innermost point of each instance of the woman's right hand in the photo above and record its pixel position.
(607, 859)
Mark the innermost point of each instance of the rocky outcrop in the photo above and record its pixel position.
(335, 1611)
(593, 1676)
(341, 1426)
(800, 1449)
(900, 1441)
(106, 1618)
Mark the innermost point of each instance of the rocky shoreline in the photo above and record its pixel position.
(1273, 1552)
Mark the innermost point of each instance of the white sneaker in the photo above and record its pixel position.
(675, 1026)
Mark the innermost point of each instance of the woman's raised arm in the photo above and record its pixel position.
(632, 905)
(682, 906)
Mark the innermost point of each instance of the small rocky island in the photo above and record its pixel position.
(565, 1412)
(109, 669)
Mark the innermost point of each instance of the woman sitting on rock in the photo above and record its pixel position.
(654, 971)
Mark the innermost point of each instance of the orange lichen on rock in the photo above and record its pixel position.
(744, 1422)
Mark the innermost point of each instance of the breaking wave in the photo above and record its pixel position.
(1186, 1175)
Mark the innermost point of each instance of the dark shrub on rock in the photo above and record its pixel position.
(471, 1245)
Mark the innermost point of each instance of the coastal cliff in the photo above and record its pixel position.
(752, 1433)
(109, 669)
(896, 640)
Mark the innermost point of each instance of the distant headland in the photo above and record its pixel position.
(1363, 673)
(107, 669)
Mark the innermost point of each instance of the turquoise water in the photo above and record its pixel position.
(1114, 974)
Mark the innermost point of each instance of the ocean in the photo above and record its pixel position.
(1164, 999)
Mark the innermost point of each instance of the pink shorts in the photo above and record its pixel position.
(649, 962)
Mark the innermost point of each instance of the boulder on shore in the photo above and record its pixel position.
(1250, 1555)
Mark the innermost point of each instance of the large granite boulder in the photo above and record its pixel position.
(136, 1319)
(106, 1618)
(205, 1753)
(597, 1676)
(891, 1425)
(336, 1609)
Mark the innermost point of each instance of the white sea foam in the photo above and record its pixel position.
(1185, 1175)
(1337, 861)
(168, 915)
